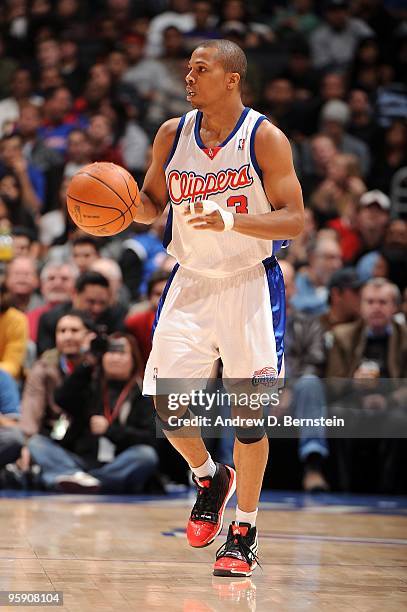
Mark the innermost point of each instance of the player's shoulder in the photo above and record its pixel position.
(270, 141)
(167, 131)
(269, 134)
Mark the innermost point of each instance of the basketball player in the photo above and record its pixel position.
(225, 296)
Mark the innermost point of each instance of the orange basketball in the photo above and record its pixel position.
(102, 199)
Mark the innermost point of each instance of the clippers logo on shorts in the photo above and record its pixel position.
(155, 373)
(190, 187)
(266, 376)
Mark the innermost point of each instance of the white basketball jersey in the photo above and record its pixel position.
(227, 174)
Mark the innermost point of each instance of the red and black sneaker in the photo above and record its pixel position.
(206, 520)
(238, 555)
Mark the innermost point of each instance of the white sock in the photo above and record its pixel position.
(206, 469)
(246, 517)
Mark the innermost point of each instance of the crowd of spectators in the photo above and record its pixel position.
(82, 81)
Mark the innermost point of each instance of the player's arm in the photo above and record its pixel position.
(154, 194)
(282, 187)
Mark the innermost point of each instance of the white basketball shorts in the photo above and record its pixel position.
(239, 318)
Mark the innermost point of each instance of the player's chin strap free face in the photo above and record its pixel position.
(209, 215)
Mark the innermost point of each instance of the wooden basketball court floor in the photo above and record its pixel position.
(333, 553)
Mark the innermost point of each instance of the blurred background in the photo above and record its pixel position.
(82, 81)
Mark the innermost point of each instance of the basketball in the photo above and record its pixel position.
(102, 199)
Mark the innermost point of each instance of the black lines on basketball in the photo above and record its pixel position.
(97, 200)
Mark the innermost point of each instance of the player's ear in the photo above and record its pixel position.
(233, 80)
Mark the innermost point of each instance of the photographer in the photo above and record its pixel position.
(108, 446)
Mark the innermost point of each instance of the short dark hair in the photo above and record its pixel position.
(231, 56)
(86, 240)
(79, 314)
(90, 278)
(27, 232)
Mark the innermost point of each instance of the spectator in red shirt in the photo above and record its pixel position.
(140, 324)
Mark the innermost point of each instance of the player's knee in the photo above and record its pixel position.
(250, 435)
(172, 422)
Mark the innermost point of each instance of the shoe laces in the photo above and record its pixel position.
(206, 499)
(236, 543)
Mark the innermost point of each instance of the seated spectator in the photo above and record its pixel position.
(22, 283)
(11, 193)
(140, 324)
(304, 395)
(35, 151)
(92, 295)
(317, 155)
(101, 136)
(312, 293)
(372, 219)
(344, 299)
(85, 251)
(78, 152)
(13, 336)
(140, 256)
(334, 118)
(178, 16)
(334, 42)
(25, 242)
(390, 156)
(39, 412)
(21, 92)
(109, 445)
(340, 190)
(59, 120)
(57, 286)
(391, 264)
(11, 437)
(368, 349)
(361, 125)
(111, 270)
(30, 179)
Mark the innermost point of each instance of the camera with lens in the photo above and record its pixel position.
(102, 344)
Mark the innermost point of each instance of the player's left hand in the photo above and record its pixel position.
(212, 221)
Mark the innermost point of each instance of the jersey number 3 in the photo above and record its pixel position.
(240, 201)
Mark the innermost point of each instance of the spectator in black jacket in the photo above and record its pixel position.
(92, 295)
(109, 445)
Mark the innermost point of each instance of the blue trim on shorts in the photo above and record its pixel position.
(176, 140)
(277, 300)
(162, 298)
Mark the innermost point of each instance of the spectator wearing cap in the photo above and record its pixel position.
(372, 219)
(312, 294)
(344, 299)
(334, 42)
(334, 117)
